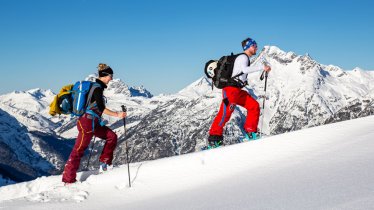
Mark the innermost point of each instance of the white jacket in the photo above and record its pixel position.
(241, 65)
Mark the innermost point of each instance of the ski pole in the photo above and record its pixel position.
(266, 63)
(264, 99)
(127, 148)
(89, 157)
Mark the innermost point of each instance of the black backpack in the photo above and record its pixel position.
(221, 71)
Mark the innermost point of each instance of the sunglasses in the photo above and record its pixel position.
(107, 74)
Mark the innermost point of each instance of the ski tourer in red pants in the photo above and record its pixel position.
(234, 95)
(88, 125)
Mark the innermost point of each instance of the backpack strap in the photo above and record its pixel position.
(241, 84)
(90, 105)
(241, 73)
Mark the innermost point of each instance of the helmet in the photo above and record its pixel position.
(209, 68)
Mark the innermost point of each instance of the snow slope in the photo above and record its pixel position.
(325, 167)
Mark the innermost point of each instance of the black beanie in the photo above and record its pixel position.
(106, 72)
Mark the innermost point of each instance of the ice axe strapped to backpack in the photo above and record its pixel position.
(221, 72)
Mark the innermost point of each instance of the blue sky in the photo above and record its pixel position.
(164, 44)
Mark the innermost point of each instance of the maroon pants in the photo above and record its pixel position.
(85, 135)
(233, 96)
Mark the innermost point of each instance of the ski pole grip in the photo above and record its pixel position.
(124, 119)
(124, 108)
(262, 76)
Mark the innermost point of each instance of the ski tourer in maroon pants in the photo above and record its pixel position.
(88, 126)
(233, 95)
(85, 135)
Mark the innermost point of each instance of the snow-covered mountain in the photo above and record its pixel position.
(301, 93)
(312, 168)
(118, 88)
(32, 142)
(29, 145)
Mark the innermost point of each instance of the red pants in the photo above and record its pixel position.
(233, 96)
(85, 135)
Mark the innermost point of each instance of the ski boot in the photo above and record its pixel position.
(104, 167)
(214, 141)
(249, 136)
